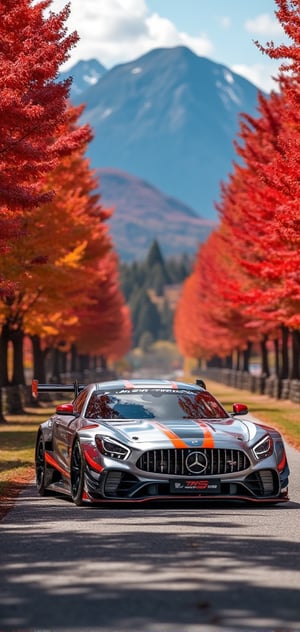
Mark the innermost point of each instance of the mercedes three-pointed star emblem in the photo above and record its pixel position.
(196, 462)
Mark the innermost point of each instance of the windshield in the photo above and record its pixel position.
(154, 404)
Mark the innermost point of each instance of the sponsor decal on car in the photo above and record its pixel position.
(194, 486)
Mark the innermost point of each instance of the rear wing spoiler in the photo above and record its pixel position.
(75, 388)
(201, 383)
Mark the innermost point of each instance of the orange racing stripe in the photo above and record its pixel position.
(177, 442)
(208, 441)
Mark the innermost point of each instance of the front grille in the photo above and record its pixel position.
(173, 462)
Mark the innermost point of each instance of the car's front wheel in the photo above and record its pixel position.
(77, 473)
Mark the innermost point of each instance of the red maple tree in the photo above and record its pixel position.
(55, 262)
(33, 102)
(33, 108)
(104, 324)
(259, 210)
(216, 324)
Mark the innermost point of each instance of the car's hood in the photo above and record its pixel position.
(183, 433)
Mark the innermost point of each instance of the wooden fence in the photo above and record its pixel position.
(271, 386)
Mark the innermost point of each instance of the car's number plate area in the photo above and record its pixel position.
(194, 486)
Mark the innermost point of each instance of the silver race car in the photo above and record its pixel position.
(145, 440)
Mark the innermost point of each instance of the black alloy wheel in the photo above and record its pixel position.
(40, 466)
(77, 474)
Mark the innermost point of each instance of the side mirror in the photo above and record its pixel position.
(65, 409)
(239, 409)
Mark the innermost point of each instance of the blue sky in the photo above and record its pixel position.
(117, 31)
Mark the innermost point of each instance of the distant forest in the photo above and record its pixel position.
(151, 289)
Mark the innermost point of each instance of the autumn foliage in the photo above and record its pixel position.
(246, 282)
(33, 108)
(59, 278)
(33, 103)
(104, 325)
(64, 270)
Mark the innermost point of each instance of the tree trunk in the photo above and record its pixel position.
(2, 418)
(295, 368)
(277, 362)
(39, 369)
(228, 362)
(17, 338)
(39, 356)
(103, 363)
(63, 361)
(246, 356)
(4, 340)
(284, 354)
(238, 360)
(265, 369)
(56, 366)
(74, 360)
(84, 363)
(14, 391)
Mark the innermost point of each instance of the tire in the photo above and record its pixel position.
(77, 474)
(40, 467)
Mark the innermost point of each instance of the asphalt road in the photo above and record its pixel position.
(153, 569)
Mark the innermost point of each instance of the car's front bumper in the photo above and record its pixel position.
(119, 485)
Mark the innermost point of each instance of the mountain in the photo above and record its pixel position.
(170, 118)
(84, 74)
(143, 214)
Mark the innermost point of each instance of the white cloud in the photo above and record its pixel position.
(118, 31)
(259, 74)
(162, 32)
(264, 24)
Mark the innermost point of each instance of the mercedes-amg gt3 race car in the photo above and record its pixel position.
(145, 440)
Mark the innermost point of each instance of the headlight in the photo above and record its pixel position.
(111, 448)
(264, 448)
